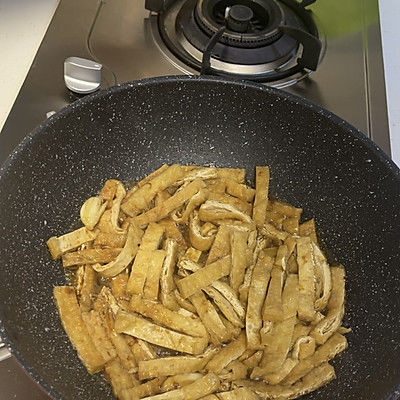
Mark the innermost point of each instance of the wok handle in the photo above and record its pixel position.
(4, 352)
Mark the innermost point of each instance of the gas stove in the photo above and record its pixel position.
(328, 52)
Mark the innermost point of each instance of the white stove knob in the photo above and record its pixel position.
(81, 75)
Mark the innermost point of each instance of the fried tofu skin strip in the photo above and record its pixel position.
(220, 247)
(316, 378)
(256, 298)
(89, 256)
(308, 229)
(115, 240)
(204, 277)
(306, 279)
(173, 232)
(238, 241)
(138, 327)
(222, 197)
(190, 325)
(333, 319)
(75, 328)
(332, 347)
(168, 366)
(139, 200)
(212, 211)
(148, 263)
(149, 388)
(119, 378)
(224, 306)
(273, 310)
(143, 351)
(238, 394)
(261, 196)
(125, 256)
(177, 200)
(239, 190)
(87, 288)
(91, 211)
(60, 245)
(323, 274)
(304, 347)
(227, 354)
(167, 284)
(210, 318)
(182, 216)
(202, 387)
(179, 380)
(231, 297)
(199, 240)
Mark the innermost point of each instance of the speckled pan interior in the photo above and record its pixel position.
(318, 162)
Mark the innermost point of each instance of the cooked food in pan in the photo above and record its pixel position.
(194, 285)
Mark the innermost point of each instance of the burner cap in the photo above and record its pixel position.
(250, 23)
(239, 17)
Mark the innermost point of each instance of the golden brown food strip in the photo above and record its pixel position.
(152, 175)
(89, 256)
(60, 245)
(278, 345)
(116, 240)
(261, 196)
(88, 288)
(231, 297)
(332, 347)
(168, 366)
(75, 328)
(333, 319)
(143, 351)
(308, 229)
(162, 315)
(323, 275)
(239, 190)
(316, 378)
(119, 378)
(256, 298)
(91, 211)
(304, 347)
(210, 318)
(238, 240)
(99, 335)
(177, 381)
(152, 284)
(221, 247)
(204, 277)
(197, 239)
(236, 174)
(286, 209)
(173, 232)
(126, 255)
(291, 225)
(214, 211)
(149, 388)
(140, 199)
(181, 215)
(167, 284)
(118, 285)
(306, 309)
(152, 237)
(273, 310)
(161, 211)
(206, 385)
(270, 231)
(161, 197)
(109, 189)
(138, 327)
(225, 306)
(238, 394)
(240, 204)
(145, 262)
(227, 354)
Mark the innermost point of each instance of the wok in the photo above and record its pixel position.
(317, 160)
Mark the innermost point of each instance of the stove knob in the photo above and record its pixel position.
(238, 18)
(81, 75)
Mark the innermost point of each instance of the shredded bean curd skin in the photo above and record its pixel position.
(194, 285)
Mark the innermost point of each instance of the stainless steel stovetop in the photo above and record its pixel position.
(124, 37)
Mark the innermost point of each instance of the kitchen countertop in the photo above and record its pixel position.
(24, 22)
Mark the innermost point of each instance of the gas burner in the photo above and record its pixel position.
(273, 41)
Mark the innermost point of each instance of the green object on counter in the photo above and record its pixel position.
(340, 17)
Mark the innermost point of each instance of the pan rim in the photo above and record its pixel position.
(13, 157)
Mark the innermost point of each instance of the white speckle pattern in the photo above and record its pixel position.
(317, 161)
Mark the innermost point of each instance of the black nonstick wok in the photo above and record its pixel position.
(318, 162)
